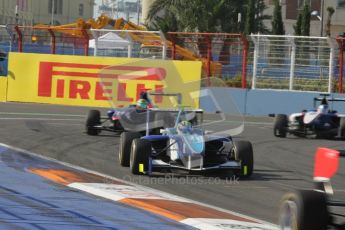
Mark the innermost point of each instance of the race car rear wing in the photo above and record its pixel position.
(325, 98)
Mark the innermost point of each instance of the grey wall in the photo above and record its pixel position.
(264, 102)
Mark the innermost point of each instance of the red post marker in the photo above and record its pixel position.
(326, 163)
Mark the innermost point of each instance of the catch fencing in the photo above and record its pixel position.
(293, 63)
(222, 54)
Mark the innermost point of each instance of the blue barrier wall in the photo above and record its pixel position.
(264, 102)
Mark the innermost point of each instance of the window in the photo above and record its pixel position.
(81, 9)
(341, 3)
(291, 6)
(57, 6)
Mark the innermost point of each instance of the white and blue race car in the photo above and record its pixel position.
(323, 122)
(184, 146)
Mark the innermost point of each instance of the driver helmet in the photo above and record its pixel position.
(144, 95)
(322, 109)
(142, 104)
(184, 127)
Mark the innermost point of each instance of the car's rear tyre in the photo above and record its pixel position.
(93, 119)
(342, 128)
(140, 154)
(304, 210)
(126, 139)
(280, 125)
(243, 152)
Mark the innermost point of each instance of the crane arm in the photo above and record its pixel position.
(75, 29)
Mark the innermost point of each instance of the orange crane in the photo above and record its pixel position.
(76, 29)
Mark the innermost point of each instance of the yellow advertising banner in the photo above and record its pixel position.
(99, 81)
(3, 88)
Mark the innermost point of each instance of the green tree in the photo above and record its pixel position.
(298, 26)
(330, 11)
(277, 21)
(305, 25)
(260, 17)
(165, 23)
(254, 17)
(250, 17)
(208, 15)
(231, 16)
(191, 15)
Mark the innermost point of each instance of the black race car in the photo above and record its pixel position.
(133, 117)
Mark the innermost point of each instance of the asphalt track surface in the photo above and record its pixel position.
(281, 164)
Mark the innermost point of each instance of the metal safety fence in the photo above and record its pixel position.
(256, 62)
(222, 55)
(293, 63)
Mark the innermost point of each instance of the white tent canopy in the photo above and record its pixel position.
(109, 40)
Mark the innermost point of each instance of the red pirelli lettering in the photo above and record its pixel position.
(79, 87)
(60, 88)
(82, 88)
(121, 93)
(101, 90)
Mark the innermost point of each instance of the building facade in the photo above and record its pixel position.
(15, 11)
(291, 9)
(55, 12)
(130, 10)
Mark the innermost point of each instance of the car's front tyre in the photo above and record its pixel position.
(243, 152)
(303, 210)
(126, 139)
(140, 155)
(280, 125)
(93, 119)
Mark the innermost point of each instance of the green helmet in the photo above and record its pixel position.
(142, 104)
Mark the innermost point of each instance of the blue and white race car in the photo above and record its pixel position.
(184, 146)
(323, 122)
